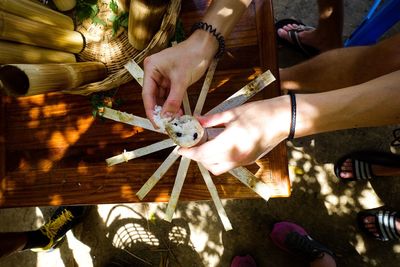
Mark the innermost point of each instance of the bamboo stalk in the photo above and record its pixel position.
(214, 195)
(245, 93)
(127, 118)
(140, 152)
(158, 174)
(37, 12)
(206, 86)
(252, 182)
(176, 190)
(145, 17)
(135, 70)
(33, 79)
(15, 53)
(64, 5)
(22, 30)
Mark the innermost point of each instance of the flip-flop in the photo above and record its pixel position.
(294, 239)
(385, 223)
(361, 162)
(295, 43)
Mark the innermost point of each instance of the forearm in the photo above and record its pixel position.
(374, 103)
(222, 15)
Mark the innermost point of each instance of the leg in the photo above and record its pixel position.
(12, 242)
(47, 236)
(343, 67)
(328, 34)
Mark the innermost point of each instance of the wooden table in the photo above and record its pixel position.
(52, 150)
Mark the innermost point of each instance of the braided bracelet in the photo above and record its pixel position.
(209, 28)
(293, 120)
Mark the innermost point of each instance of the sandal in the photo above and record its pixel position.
(361, 164)
(385, 223)
(295, 43)
(295, 240)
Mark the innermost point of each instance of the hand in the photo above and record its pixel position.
(252, 130)
(170, 72)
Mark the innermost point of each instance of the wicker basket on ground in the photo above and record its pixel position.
(115, 51)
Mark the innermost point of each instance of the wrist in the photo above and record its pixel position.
(204, 43)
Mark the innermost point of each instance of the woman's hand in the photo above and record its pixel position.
(252, 130)
(170, 72)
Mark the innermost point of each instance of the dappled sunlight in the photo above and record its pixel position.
(225, 12)
(129, 234)
(368, 198)
(52, 259)
(55, 200)
(359, 244)
(39, 221)
(257, 72)
(80, 251)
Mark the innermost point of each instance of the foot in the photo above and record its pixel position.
(347, 171)
(295, 240)
(310, 37)
(365, 165)
(51, 233)
(382, 224)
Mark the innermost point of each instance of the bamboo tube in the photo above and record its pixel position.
(64, 5)
(37, 12)
(18, 29)
(145, 17)
(33, 79)
(15, 53)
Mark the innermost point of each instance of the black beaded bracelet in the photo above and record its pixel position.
(209, 28)
(293, 120)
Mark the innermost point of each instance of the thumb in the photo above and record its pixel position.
(216, 119)
(174, 100)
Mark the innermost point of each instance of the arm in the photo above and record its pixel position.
(254, 129)
(167, 74)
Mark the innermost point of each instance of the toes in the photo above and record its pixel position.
(369, 223)
(282, 33)
(346, 175)
(346, 169)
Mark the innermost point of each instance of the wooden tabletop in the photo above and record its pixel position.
(52, 150)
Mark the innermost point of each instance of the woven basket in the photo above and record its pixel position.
(115, 51)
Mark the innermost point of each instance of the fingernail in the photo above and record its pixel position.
(167, 115)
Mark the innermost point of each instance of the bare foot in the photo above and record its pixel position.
(346, 170)
(371, 226)
(311, 37)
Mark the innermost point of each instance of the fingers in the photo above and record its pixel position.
(174, 100)
(217, 119)
(215, 155)
(150, 90)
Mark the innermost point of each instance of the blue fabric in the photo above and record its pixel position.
(376, 23)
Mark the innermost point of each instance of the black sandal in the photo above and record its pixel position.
(385, 223)
(361, 164)
(305, 246)
(295, 43)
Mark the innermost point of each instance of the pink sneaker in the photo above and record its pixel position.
(295, 240)
(243, 261)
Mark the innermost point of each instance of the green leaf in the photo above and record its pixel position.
(96, 20)
(114, 6)
(124, 19)
(95, 11)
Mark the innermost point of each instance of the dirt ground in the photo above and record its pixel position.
(135, 234)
